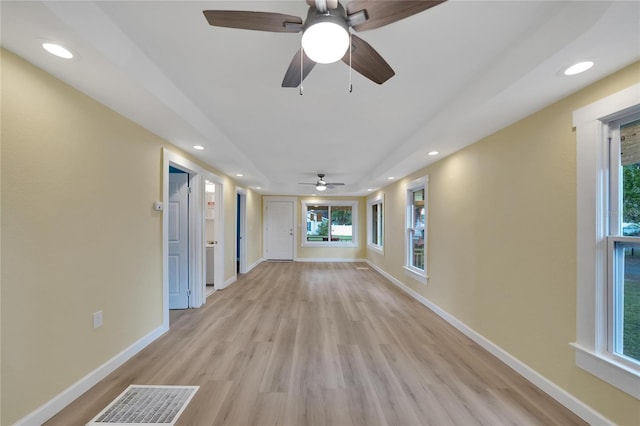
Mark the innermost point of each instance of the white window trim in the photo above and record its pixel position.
(377, 199)
(591, 127)
(413, 272)
(354, 222)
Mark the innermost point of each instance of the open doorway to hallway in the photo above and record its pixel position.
(213, 233)
(241, 224)
(183, 275)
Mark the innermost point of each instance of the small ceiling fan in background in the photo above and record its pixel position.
(326, 35)
(321, 184)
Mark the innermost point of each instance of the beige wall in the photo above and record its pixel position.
(78, 235)
(254, 227)
(230, 206)
(501, 243)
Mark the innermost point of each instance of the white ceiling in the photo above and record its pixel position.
(464, 69)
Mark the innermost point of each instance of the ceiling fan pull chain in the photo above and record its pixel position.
(301, 68)
(350, 68)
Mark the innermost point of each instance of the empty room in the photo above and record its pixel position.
(320, 212)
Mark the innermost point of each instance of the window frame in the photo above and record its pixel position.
(593, 350)
(379, 201)
(331, 203)
(418, 274)
(615, 236)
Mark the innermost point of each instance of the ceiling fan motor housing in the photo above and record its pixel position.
(336, 16)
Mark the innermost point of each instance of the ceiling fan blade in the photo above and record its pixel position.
(367, 61)
(292, 76)
(260, 21)
(335, 184)
(384, 12)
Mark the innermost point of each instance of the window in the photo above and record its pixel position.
(608, 239)
(375, 224)
(623, 278)
(416, 229)
(330, 223)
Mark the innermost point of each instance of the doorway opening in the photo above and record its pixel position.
(183, 274)
(241, 224)
(177, 210)
(213, 234)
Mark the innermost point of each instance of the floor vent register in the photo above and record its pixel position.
(148, 405)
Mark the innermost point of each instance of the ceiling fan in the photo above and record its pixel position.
(326, 37)
(322, 185)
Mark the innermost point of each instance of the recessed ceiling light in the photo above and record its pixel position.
(198, 147)
(578, 68)
(369, 189)
(391, 178)
(239, 174)
(258, 187)
(57, 50)
(433, 153)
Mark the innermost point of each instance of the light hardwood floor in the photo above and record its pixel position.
(324, 344)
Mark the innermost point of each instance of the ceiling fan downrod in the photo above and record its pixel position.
(350, 67)
(321, 6)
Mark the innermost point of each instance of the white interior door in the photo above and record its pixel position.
(280, 224)
(178, 210)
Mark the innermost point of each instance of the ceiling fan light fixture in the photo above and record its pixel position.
(320, 187)
(326, 40)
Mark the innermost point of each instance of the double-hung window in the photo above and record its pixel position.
(623, 240)
(608, 239)
(330, 223)
(416, 235)
(375, 224)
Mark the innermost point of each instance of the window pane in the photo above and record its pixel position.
(626, 296)
(418, 209)
(417, 249)
(630, 163)
(380, 225)
(374, 224)
(417, 232)
(341, 224)
(318, 223)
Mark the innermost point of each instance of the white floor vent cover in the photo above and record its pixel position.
(149, 405)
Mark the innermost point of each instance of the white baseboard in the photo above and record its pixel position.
(254, 264)
(324, 259)
(66, 397)
(228, 282)
(581, 409)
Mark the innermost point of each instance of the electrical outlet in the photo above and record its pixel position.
(97, 319)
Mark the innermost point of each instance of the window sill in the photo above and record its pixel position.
(609, 370)
(421, 276)
(376, 249)
(329, 244)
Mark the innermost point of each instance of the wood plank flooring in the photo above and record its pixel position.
(324, 344)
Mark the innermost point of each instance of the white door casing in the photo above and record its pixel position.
(280, 225)
(178, 260)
